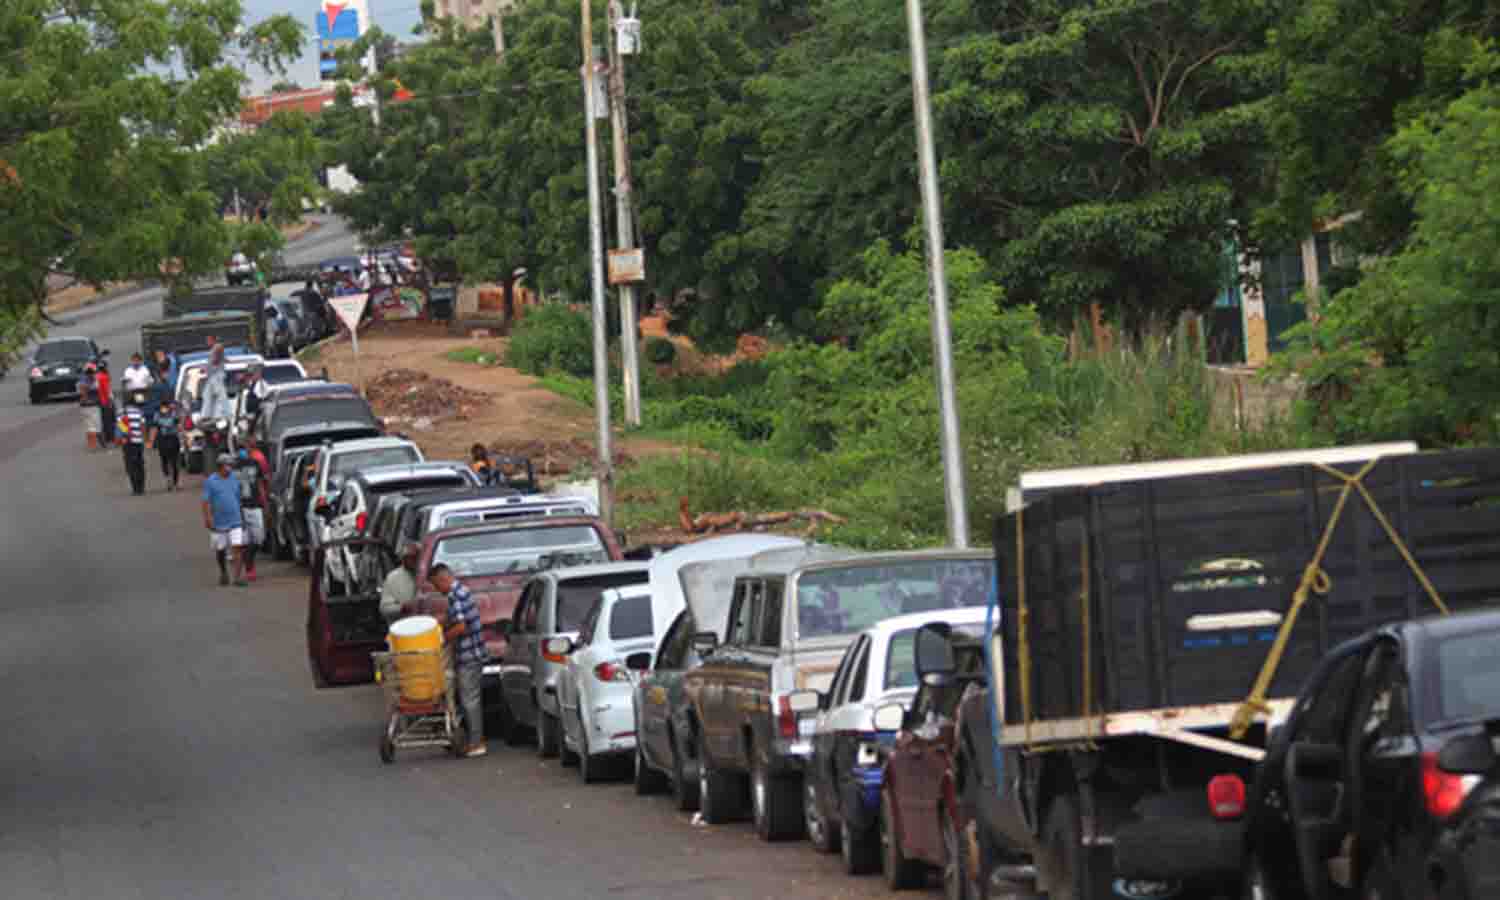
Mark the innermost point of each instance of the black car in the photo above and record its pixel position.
(56, 365)
(1359, 788)
(1466, 862)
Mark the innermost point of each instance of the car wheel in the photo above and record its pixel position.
(824, 838)
(33, 396)
(1063, 856)
(718, 798)
(588, 764)
(647, 780)
(900, 872)
(775, 802)
(684, 789)
(546, 735)
(565, 755)
(861, 849)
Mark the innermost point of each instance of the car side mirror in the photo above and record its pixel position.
(705, 642)
(1470, 754)
(934, 655)
(890, 717)
(804, 701)
(639, 662)
(556, 649)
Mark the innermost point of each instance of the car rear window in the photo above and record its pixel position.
(56, 351)
(520, 550)
(321, 409)
(280, 374)
(631, 618)
(418, 484)
(354, 460)
(852, 596)
(1469, 676)
(576, 595)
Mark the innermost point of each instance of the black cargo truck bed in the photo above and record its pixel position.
(1188, 576)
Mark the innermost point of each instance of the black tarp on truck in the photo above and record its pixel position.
(189, 334)
(212, 300)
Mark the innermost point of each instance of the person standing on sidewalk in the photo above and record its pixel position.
(88, 404)
(133, 441)
(106, 404)
(252, 474)
(222, 518)
(462, 628)
(166, 437)
(136, 376)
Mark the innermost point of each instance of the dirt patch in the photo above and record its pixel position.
(77, 296)
(448, 406)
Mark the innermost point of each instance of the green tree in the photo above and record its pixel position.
(102, 105)
(273, 167)
(1413, 350)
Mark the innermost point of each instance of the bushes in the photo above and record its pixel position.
(553, 337)
(660, 351)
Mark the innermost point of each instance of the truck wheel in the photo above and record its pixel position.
(684, 789)
(861, 849)
(718, 792)
(824, 838)
(775, 801)
(1065, 861)
(900, 872)
(546, 735)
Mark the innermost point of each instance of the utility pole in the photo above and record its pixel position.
(624, 219)
(499, 29)
(596, 269)
(937, 284)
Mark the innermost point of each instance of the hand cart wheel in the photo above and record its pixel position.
(388, 740)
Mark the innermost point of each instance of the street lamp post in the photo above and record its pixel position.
(937, 284)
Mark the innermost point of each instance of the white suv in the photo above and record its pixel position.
(336, 462)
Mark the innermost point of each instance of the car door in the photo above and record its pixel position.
(577, 668)
(847, 723)
(652, 692)
(737, 701)
(516, 671)
(342, 630)
(1384, 770)
(822, 767)
(1313, 771)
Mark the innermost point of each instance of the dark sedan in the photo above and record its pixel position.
(56, 365)
(1466, 863)
(1360, 787)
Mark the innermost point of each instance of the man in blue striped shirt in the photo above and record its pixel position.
(133, 441)
(469, 656)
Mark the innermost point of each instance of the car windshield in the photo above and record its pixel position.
(321, 409)
(1468, 669)
(631, 618)
(57, 351)
(419, 483)
(280, 374)
(901, 655)
(343, 464)
(501, 512)
(577, 595)
(519, 550)
(855, 595)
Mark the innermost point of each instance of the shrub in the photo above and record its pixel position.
(553, 337)
(661, 351)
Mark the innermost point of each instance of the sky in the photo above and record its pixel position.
(396, 17)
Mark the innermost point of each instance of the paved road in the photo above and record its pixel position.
(163, 740)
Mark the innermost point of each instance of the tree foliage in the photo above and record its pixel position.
(102, 105)
(273, 168)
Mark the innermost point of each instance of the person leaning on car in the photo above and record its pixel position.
(462, 629)
(400, 586)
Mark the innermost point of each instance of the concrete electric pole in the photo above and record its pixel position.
(624, 212)
(596, 269)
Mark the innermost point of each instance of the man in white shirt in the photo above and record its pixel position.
(400, 586)
(136, 376)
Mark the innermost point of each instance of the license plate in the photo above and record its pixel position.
(63, 372)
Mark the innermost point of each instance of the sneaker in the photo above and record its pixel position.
(477, 750)
(223, 579)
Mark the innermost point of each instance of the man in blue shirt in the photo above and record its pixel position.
(462, 629)
(223, 519)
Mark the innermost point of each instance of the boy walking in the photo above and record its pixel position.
(222, 518)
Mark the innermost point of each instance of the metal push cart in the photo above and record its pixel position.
(411, 723)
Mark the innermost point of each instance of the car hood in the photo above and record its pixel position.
(74, 366)
(496, 597)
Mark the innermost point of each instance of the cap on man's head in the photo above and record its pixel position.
(225, 459)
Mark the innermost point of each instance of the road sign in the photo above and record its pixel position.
(350, 307)
(627, 266)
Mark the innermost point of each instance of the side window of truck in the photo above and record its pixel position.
(861, 669)
(742, 619)
(770, 623)
(534, 607)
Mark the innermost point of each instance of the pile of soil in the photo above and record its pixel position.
(553, 458)
(406, 395)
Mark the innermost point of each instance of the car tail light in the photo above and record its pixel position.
(786, 720)
(36, 372)
(611, 671)
(1443, 791)
(1226, 796)
(359, 522)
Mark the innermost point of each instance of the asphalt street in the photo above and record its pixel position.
(162, 737)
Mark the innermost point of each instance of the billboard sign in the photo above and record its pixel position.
(338, 25)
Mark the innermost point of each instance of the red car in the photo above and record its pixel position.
(492, 560)
(919, 805)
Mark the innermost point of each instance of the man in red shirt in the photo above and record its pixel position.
(106, 404)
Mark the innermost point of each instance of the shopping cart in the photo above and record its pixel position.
(419, 706)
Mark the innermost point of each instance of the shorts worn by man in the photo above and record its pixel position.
(469, 656)
(223, 519)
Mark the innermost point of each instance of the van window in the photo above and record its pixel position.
(631, 618)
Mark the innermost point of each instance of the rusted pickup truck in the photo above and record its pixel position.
(786, 626)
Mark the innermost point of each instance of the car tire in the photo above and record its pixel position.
(590, 766)
(33, 396)
(718, 792)
(547, 742)
(566, 756)
(776, 805)
(1257, 883)
(1063, 856)
(1379, 884)
(684, 789)
(860, 849)
(824, 839)
(900, 872)
(647, 780)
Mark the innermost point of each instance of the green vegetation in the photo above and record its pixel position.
(852, 426)
(552, 338)
(661, 351)
(475, 355)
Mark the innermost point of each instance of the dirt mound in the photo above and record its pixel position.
(556, 457)
(401, 395)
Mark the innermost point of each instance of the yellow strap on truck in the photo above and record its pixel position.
(1314, 579)
(1023, 623)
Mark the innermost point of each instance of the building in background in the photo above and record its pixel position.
(338, 25)
(472, 13)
